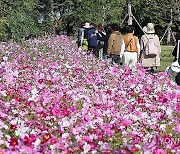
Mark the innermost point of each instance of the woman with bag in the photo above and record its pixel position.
(150, 62)
(132, 47)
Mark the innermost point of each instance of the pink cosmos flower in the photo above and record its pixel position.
(152, 107)
(14, 141)
(26, 149)
(29, 140)
(2, 151)
(160, 151)
(167, 139)
(9, 79)
(127, 122)
(171, 96)
(177, 128)
(131, 81)
(114, 70)
(177, 107)
(56, 111)
(109, 132)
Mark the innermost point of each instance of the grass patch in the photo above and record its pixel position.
(166, 57)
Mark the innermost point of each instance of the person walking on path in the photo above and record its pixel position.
(101, 33)
(174, 53)
(150, 42)
(85, 36)
(92, 40)
(81, 34)
(105, 38)
(115, 44)
(132, 47)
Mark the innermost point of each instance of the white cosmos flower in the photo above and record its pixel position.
(94, 151)
(34, 91)
(22, 131)
(65, 135)
(5, 58)
(5, 127)
(163, 126)
(169, 112)
(37, 142)
(86, 147)
(52, 147)
(65, 122)
(144, 115)
(3, 92)
(163, 107)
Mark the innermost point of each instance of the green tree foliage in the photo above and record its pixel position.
(22, 18)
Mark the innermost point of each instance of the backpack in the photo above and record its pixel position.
(101, 43)
(85, 44)
(151, 49)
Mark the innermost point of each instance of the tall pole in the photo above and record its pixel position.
(169, 30)
(104, 14)
(129, 13)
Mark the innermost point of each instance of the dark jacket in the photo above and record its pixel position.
(92, 37)
(174, 53)
(105, 38)
(86, 33)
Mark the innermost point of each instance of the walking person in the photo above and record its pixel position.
(81, 34)
(150, 44)
(115, 44)
(92, 40)
(85, 36)
(105, 38)
(101, 33)
(177, 79)
(132, 47)
(174, 53)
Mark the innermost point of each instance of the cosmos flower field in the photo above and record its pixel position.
(56, 99)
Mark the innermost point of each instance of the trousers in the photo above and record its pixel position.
(130, 58)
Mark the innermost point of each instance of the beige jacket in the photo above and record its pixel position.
(115, 43)
(145, 60)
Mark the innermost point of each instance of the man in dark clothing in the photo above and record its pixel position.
(105, 38)
(174, 53)
(92, 40)
(177, 79)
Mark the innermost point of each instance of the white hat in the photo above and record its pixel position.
(87, 25)
(145, 29)
(150, 28)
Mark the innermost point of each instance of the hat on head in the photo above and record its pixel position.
(145, 29)
(87, 25)
(150, 28)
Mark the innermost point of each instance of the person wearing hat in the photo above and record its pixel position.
(85, 39)
(150, 63)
